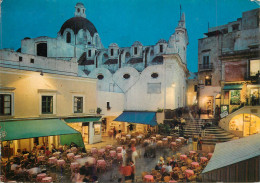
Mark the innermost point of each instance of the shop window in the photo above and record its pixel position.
(20, 59)
(154, 88)
(47, 104)
(234, 97)
(32, 60)
(68, 37)
(207, 81)
(5, 104)
(161, 48)
(97, 129)
(135, 50)
(78, 104)
(255, 68)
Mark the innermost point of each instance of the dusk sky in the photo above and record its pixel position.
(121, 21)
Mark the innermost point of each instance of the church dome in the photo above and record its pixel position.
(77, 23)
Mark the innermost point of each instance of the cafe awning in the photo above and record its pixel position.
(142, 117)
(34, 128)
(233, 87)
(84, 119)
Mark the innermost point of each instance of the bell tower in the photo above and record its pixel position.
(80, 10)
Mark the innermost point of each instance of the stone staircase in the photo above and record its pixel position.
(213, 134)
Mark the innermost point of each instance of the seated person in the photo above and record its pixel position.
(161, 160)
(158, 166)
(168, 168)
(25, 151)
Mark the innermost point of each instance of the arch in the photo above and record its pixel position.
(152, 53)
(68, 37)
(127, 55)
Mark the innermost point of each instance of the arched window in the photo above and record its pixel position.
(127, 55)
(68, 37)
(78, 10)
(152, 53)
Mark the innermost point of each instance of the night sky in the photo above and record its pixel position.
(121, 21)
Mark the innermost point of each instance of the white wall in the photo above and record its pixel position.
(116, 101)
(50, 65)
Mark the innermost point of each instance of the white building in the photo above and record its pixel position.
(130, 78)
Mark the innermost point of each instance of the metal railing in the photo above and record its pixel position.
(203, 67)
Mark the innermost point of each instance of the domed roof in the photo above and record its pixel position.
(77, 23)
(80, 5)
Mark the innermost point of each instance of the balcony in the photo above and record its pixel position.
(205, 67)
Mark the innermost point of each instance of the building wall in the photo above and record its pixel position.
(116, 101)
(28, 86)
(237, 36)
(191, 93)
(10, 59)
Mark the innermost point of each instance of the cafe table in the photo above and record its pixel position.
(203, 159)
(40, 176)
(148, 178)
(195, 164)
(183, 157)
(189, 173)
(47, 179)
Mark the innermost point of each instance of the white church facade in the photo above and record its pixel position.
(138, 77)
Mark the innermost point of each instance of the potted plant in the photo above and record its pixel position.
(159, 110)
(99, 110)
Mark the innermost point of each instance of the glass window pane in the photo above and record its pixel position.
(7, 104)
(7, 111)
(7, 98)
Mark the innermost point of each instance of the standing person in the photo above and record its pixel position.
(134, 153)
(190, 143)
(114, 132)
(124, 155)
(133, 171)
(128, 154)
(203, 127)
(127, 171)
(200, 142)
(195, 143)
(199, 112)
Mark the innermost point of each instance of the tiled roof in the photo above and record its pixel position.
(157, 59)
(84, 61)
(111, 61)
(135, 60)
(234, 151)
